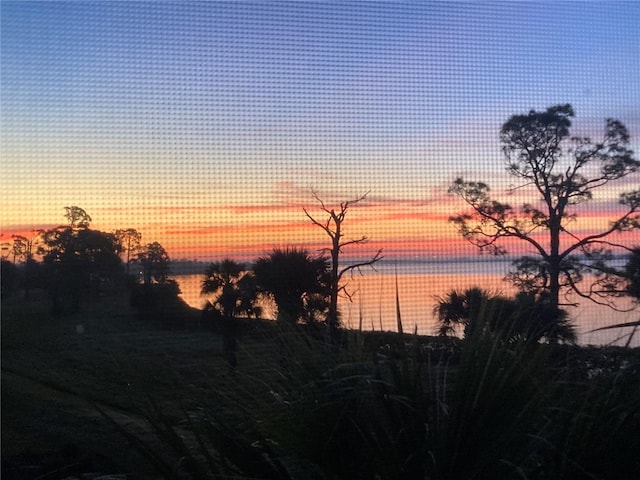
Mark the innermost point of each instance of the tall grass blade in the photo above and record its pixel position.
(380, 304)
(398, 316)
(360, 315)
(635, 324)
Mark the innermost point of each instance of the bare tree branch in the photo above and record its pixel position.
(332, 226)
(358, 266)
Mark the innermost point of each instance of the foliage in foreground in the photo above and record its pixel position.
(233, 287)
(296, 280)
(526, 317)
(373, 405)
(446, 410)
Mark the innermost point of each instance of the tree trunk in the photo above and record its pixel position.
(554, 281)
(554, 259)
(332, 317)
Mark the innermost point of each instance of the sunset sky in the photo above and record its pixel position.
(206, 125)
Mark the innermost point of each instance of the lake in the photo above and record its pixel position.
(419, 285)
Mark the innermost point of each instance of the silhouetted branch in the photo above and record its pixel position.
(333, 228)
(358, 266)
(635, 323)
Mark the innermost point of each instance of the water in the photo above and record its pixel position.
(419, 285)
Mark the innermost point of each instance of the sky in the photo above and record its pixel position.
(207, 125)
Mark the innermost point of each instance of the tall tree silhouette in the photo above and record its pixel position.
(25, 248)
(78, 258)
(155, 263)
(21, 248)
(129, 239)
(77, 217)
(563, 172)
(332, 225)
(294, 278)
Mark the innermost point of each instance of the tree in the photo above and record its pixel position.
(78, 259)
(155, 263)
(129, 239)
(523, 318)
(294, 279)
(5, 249)
(333, 227)
(563, 172)
(77, 217)
(234, 287)
(23, 247)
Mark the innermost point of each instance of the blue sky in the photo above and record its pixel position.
(125, 107)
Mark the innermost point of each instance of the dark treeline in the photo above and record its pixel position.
(78, 262)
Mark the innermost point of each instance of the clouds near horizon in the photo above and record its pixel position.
(210, 122)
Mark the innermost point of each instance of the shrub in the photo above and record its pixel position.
(160, 303)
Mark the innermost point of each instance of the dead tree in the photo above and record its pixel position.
(332, 226)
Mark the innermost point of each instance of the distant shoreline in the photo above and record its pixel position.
(198, 267)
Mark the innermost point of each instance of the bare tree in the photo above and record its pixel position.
(333, 227)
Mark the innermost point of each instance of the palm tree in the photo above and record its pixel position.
(456, 309)
(536, 318)
(294, 279)
(234, 288)
(526, 317)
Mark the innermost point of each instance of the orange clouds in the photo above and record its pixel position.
(402, 227)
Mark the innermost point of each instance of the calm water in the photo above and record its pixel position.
(420, 283)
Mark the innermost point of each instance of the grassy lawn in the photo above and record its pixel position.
(53, 371)
(104, 391)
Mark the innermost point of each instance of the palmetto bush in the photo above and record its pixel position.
(526, 317)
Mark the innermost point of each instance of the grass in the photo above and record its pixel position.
(121, 395)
